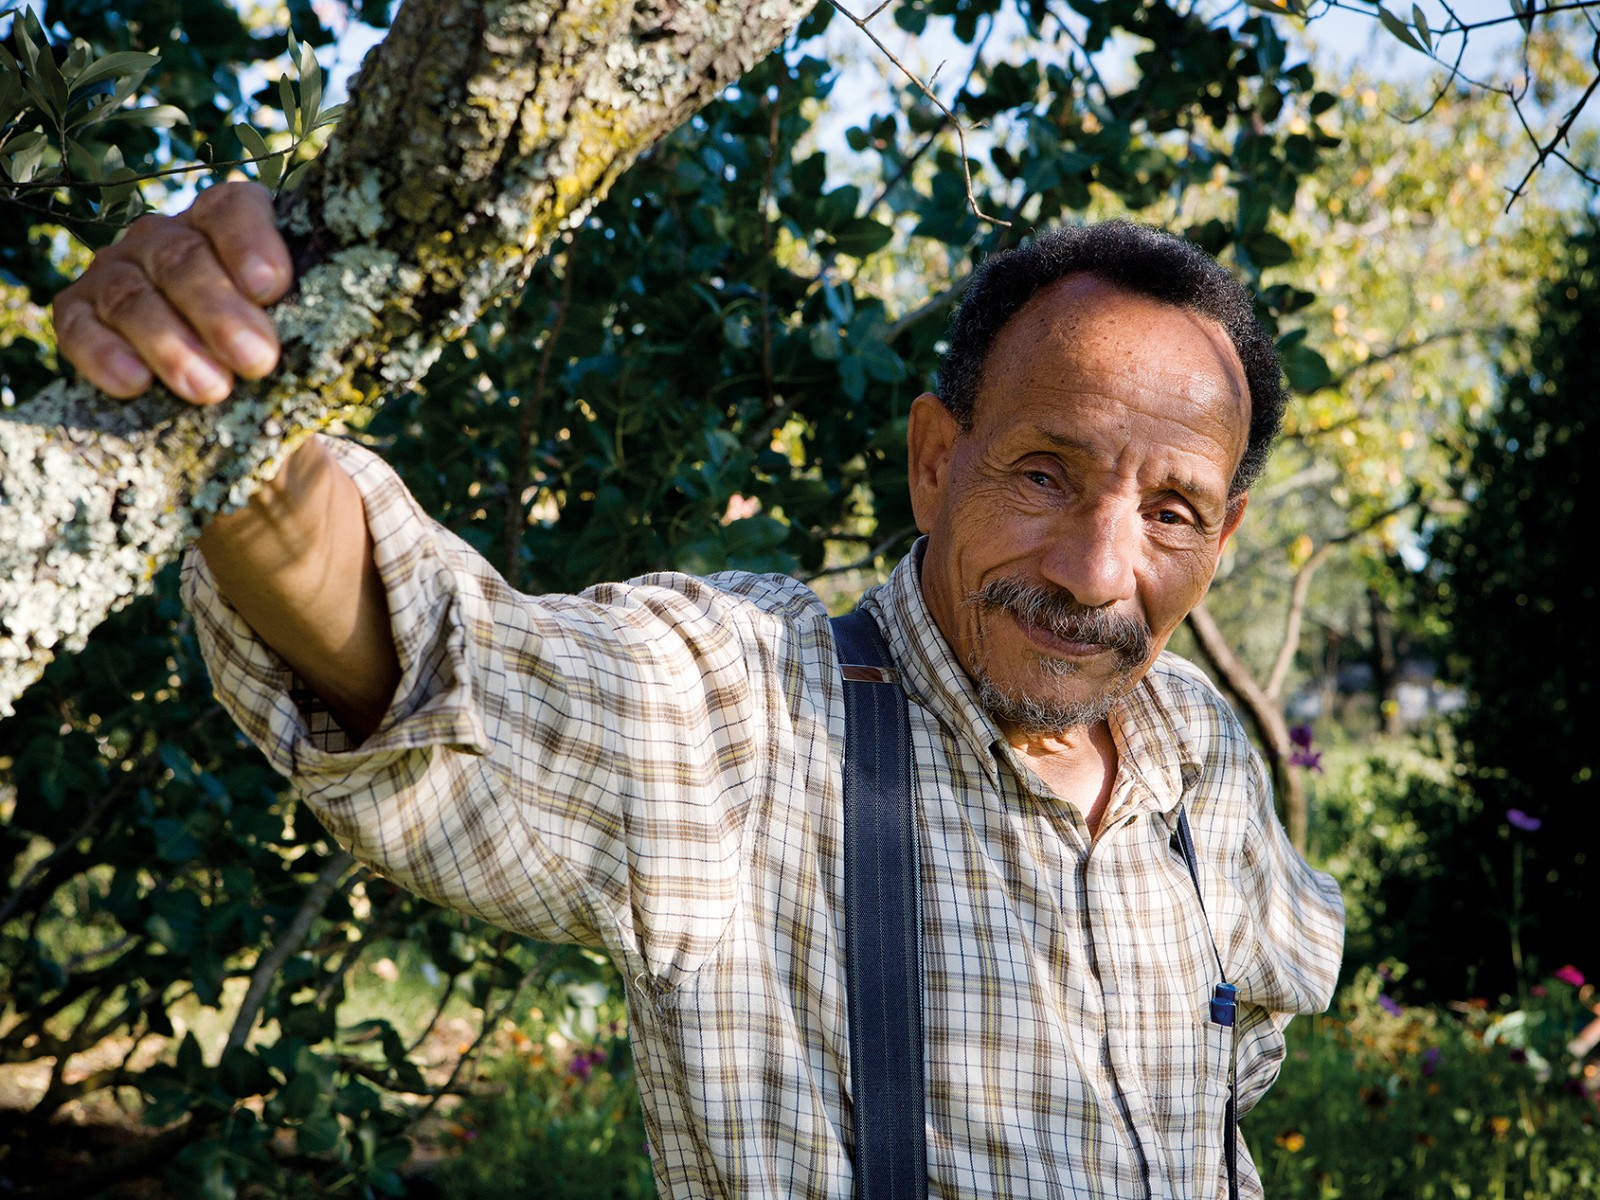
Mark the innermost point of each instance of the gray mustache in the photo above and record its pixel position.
(1056, 612)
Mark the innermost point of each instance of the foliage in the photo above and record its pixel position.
(562, 1119)
(1381, 810)
(1520, 603)
(1398, 1103)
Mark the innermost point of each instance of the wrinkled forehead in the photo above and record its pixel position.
(1082, 328)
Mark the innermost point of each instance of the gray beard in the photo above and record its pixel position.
(1056, 611)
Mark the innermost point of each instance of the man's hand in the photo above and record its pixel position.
(180, 299)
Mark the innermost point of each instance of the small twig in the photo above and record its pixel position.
(69, 184)
(961, 138)
(870, 557)
(769, 394)
(445, 993)
(518, 477)
(1547, 149)
(933, 134)
(489, 1023)
(1088, 59)
(1401, 349)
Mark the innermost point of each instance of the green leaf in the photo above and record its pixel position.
(1420, 20)
(318, 1134)
(1267, 249)
(124, 64)
(861, 236)
(191, 1062)
(155, 116)
(329, 116)
(244, 1074)
(268, 164)
(310, 89)
(23, 155)
(1398, 27)
(1306, 370)
(291, 111)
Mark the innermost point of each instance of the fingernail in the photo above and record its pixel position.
(260, 277)
(203, 383)
(127, 370)
(252, 354)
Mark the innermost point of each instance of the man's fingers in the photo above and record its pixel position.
(184, 265)
(101, 356)
(239, 220)
(180, 298)
(128, 304)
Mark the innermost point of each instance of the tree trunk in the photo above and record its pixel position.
(1264, 714)
(1385, 671)
(479, 131)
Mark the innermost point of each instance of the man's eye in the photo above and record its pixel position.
(1042, 478)
(1171, 516)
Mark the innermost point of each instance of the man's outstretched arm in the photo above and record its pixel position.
(183, 299)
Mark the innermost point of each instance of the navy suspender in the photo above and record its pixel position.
(883, 928)
(883, 936)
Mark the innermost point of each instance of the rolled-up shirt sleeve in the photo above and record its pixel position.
(1295, 919)
(573, 767)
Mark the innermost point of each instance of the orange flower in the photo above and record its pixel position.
(1291, 1140)
(1499, 1126)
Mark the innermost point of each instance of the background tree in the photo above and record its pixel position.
(1516, 872)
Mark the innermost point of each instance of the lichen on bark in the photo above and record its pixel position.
(478, 132)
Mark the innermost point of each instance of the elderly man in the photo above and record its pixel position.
(654, 768)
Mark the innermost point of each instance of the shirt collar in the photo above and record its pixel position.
(1153, 743)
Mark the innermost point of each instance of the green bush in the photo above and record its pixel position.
(1381, 1100)
(561, 1118)
(1381, 811)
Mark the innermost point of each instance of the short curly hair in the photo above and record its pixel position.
(1140, 259)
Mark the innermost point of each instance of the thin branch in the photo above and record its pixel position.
(270, 963)
(1290, 645)
(1401, 349)
(1546, 149)
(961, 137)
(518, 476)
(768, 388)
(870, 557)
(489, 1023)
(933, 134)
(386, 1080)
(1088, 59)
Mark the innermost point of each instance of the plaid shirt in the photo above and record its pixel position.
(654, 768)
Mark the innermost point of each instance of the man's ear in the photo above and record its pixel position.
(1235, 514)
(931, 434)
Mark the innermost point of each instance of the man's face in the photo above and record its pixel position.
(1082, 516)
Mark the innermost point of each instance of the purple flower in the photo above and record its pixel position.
(1300, 735)
(1430, 1060)
(1391, 1006)
(583, 1062)
(1570, 974)
(1524, 822)
(1310, 759)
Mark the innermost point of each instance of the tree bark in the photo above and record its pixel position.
(1263, 712)
(479, 132)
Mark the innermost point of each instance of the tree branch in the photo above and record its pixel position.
(461, 157)
(287, 943)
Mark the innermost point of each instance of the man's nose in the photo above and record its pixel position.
(1093, 554)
